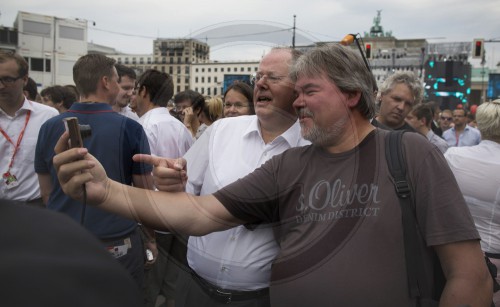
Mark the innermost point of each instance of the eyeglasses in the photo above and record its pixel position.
(237, 105)
(7, 81)
(271, 78)
(446, 118)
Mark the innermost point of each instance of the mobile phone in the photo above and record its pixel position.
(149, 255)
(72, 126)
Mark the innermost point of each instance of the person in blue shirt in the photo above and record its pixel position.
(461, 134)
(114, 140)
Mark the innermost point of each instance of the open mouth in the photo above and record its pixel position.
(263, 99)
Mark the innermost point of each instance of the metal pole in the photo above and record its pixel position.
(293, 37)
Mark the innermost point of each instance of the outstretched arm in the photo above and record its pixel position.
(188, 214)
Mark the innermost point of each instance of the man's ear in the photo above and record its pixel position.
(353, 99)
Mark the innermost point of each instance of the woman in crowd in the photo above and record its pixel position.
(238, 100)
(208, 111)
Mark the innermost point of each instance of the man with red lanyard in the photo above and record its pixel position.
(20, 120)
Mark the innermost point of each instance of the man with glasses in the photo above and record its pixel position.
(461, 134)
(445, 120)
(20, 120)
(397, 96)
(184, 111)
(126, 81)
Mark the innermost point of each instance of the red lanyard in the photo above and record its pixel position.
(19, 139)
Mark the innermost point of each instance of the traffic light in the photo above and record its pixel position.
(368, 50)
(477, 48)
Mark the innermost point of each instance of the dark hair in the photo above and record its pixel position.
(6, 55)
(123, 70)
(89, 69)
(345, 68)
(189, 95)
(245, 90)
(73, 90)
(59, 94)
(32, 89)
(158, 85)
(423, 110)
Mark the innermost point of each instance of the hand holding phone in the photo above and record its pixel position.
(72, 126)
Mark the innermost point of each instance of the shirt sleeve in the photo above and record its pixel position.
(253, 198)
(441, 210)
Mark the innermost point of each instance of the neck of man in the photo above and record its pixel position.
(424, 130)
(274, 126)
(354, 133)
(381, 120)
(459, 128)
(116, 107)
(94, 98)
(11, 109)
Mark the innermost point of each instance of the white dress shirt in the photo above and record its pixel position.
(167, 136)
(477, 170)
(23, 167)
(127, 111)
(237, 259)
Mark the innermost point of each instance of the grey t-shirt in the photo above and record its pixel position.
(338, 220)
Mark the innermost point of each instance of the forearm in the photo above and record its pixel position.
(464, 292)
(180, 212)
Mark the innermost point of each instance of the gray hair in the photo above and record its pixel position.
(409, 79)
(344, 67)
(488, 120)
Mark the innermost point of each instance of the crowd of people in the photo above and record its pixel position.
(276, 194)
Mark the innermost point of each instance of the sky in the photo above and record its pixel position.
(131, 26)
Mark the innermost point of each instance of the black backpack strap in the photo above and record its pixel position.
(397, 167)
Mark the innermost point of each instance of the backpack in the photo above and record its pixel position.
(396, 163)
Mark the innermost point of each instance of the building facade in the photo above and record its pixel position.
(51, 45)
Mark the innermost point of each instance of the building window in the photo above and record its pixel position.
(215, 69)
(208, 91)
(186, 80)
(210, 70)
(171, 60)
(170, 70)
(34, 27)
(179, 60)
(149, 60)
(178, 70)
(178, 88)
(249, 69)
(203, 70)
(196, 70)
(163, 69)
(36, 64)
(215, 91)
(209, 79)
(71, 33)
(126, 60)
(195, 79)
(186, 70)
(47, 65)
(229, 69)
(202, 79)
(215, 79)
(222, 69)
(178, 79)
